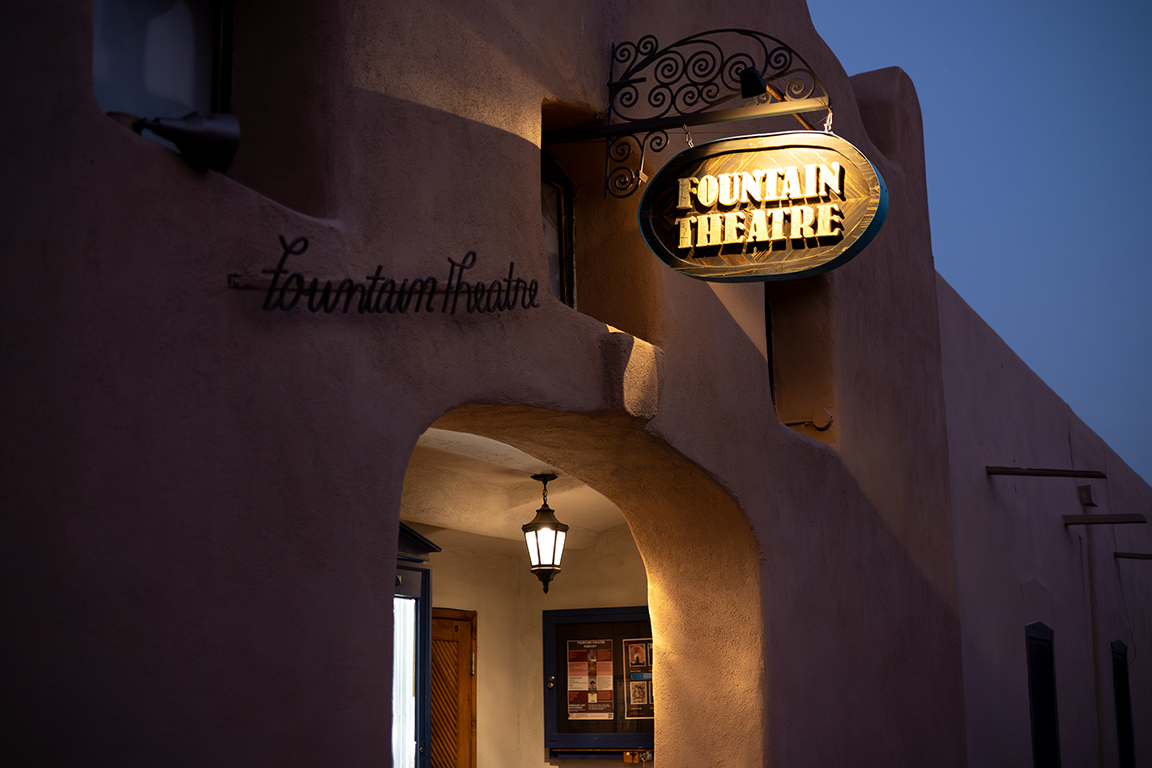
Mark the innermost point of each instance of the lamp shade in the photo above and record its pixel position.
(545, 539)
(752, 84)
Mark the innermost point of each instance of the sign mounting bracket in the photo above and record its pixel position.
(699, 80)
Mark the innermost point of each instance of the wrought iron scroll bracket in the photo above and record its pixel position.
(694, 81)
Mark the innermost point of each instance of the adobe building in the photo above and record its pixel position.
(220, 479)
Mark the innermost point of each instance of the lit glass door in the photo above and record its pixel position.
(404, 666)
(411, 667)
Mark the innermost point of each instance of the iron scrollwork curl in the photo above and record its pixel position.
(622, 179)
(691, 76)
(696, 73)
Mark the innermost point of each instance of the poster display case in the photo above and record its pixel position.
(598, 698)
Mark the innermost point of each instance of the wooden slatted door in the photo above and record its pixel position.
(453, 689)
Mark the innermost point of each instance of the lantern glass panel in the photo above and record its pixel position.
(547, 545)
(533, 548)
(560, 536)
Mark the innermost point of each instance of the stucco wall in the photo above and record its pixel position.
(1017, 563)
(202, 497)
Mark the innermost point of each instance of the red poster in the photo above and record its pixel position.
(590, 680)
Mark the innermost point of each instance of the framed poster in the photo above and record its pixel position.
(639, 704)
(590, 680)
(597, 681)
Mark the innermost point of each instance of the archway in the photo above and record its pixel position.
(703, 574)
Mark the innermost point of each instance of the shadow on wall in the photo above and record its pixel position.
(802, 355)
(864, 652)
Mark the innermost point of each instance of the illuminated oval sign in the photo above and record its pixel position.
(772, 207)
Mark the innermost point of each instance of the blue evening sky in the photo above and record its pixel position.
(1038, 140)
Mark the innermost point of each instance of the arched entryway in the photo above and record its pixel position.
(692, 542)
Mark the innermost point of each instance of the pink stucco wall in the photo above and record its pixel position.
(1018, 563)
(201, 498)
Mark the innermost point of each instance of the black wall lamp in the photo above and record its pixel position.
(752, 84)
(204, 141)
(545, 538)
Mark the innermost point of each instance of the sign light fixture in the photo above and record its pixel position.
(710, 77)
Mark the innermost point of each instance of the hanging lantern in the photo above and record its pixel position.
(545, 538)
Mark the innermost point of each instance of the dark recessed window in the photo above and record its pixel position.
(1124, 733)
(162, 58)
(556, 200)
(1042, 695)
